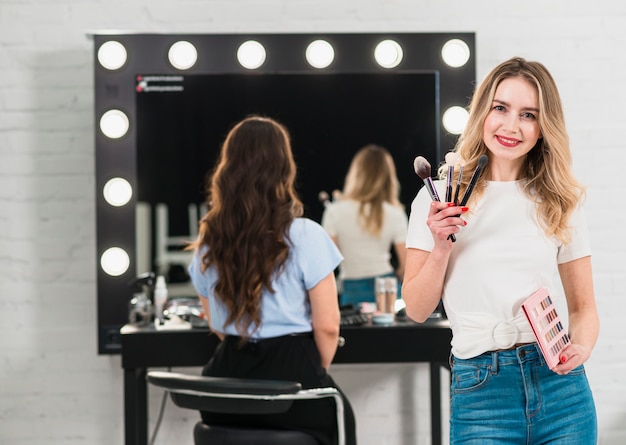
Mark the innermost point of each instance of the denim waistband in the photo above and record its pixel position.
(514, 356)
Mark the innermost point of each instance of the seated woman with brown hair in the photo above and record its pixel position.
(265, 278)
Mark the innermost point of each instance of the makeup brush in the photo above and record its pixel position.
(458, 184)
(423, 170)
(482, 161)
(451, 158)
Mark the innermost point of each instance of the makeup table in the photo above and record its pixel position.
(400, 342)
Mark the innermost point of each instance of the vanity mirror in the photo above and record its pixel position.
(164, 102)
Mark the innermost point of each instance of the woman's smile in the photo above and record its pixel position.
(507, 142)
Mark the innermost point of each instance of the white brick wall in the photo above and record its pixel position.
(54, 388)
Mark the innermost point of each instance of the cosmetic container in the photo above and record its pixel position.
(160, 298)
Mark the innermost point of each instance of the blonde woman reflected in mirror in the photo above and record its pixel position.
(368, 222)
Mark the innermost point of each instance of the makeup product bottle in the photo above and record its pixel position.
(381, 295)
(140, 308)
(160, 298)
(391, 291)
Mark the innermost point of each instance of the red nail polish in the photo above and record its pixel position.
(450, 204)
(563, 359)
(464, 209)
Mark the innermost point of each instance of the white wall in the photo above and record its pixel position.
(55, 389)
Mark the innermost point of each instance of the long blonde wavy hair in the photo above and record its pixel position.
(546, 174)
(372, 181)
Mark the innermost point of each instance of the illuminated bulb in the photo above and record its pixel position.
(182, 55)
(251, 54)
(115, 261)
(320, 54)
(114, 124)
(455, 53)
(388, 54)
(455, 119)
(112, 55)
(117, 192)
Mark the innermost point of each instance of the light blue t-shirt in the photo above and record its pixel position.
(312, 256)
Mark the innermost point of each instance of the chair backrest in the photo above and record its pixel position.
(225, 395)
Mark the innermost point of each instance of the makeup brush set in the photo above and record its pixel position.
(423, 170)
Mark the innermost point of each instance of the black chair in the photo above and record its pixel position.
(243, 396)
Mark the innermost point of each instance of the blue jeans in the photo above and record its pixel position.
(512, 397)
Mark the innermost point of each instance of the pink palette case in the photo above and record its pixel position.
(546, 324)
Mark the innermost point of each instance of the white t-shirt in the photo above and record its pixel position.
(365, 255)
(499, 259)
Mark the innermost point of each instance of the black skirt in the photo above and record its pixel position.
(291, 357)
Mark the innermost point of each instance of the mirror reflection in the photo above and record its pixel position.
(179, 133)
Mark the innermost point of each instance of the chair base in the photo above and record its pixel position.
(204, 434)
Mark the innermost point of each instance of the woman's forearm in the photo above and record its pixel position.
(423, 282)
(584, 327)
(326, 342)
(583, 323)
(325, 318)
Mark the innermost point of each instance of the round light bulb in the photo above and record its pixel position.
(182, 55)
(455, 53)
(114, 124)
(115, 261)
(251, 54)
(112, 55)
(117, 191)
(455, 119)
(388, 54)
(320, 54)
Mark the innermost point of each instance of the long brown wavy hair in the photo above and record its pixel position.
(372, 181)
(546, 174)
(252, 201)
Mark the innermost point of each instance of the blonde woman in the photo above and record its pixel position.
(522, 229)
(366, 223)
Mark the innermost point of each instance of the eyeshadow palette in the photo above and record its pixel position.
(547, 326)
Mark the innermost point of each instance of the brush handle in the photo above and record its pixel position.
(449, 183)
(458, 186)
(470, 187)
(449, 193)
(428, 182)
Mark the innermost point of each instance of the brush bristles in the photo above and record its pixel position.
(422, 167)
(482, 161)
(452, 158)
